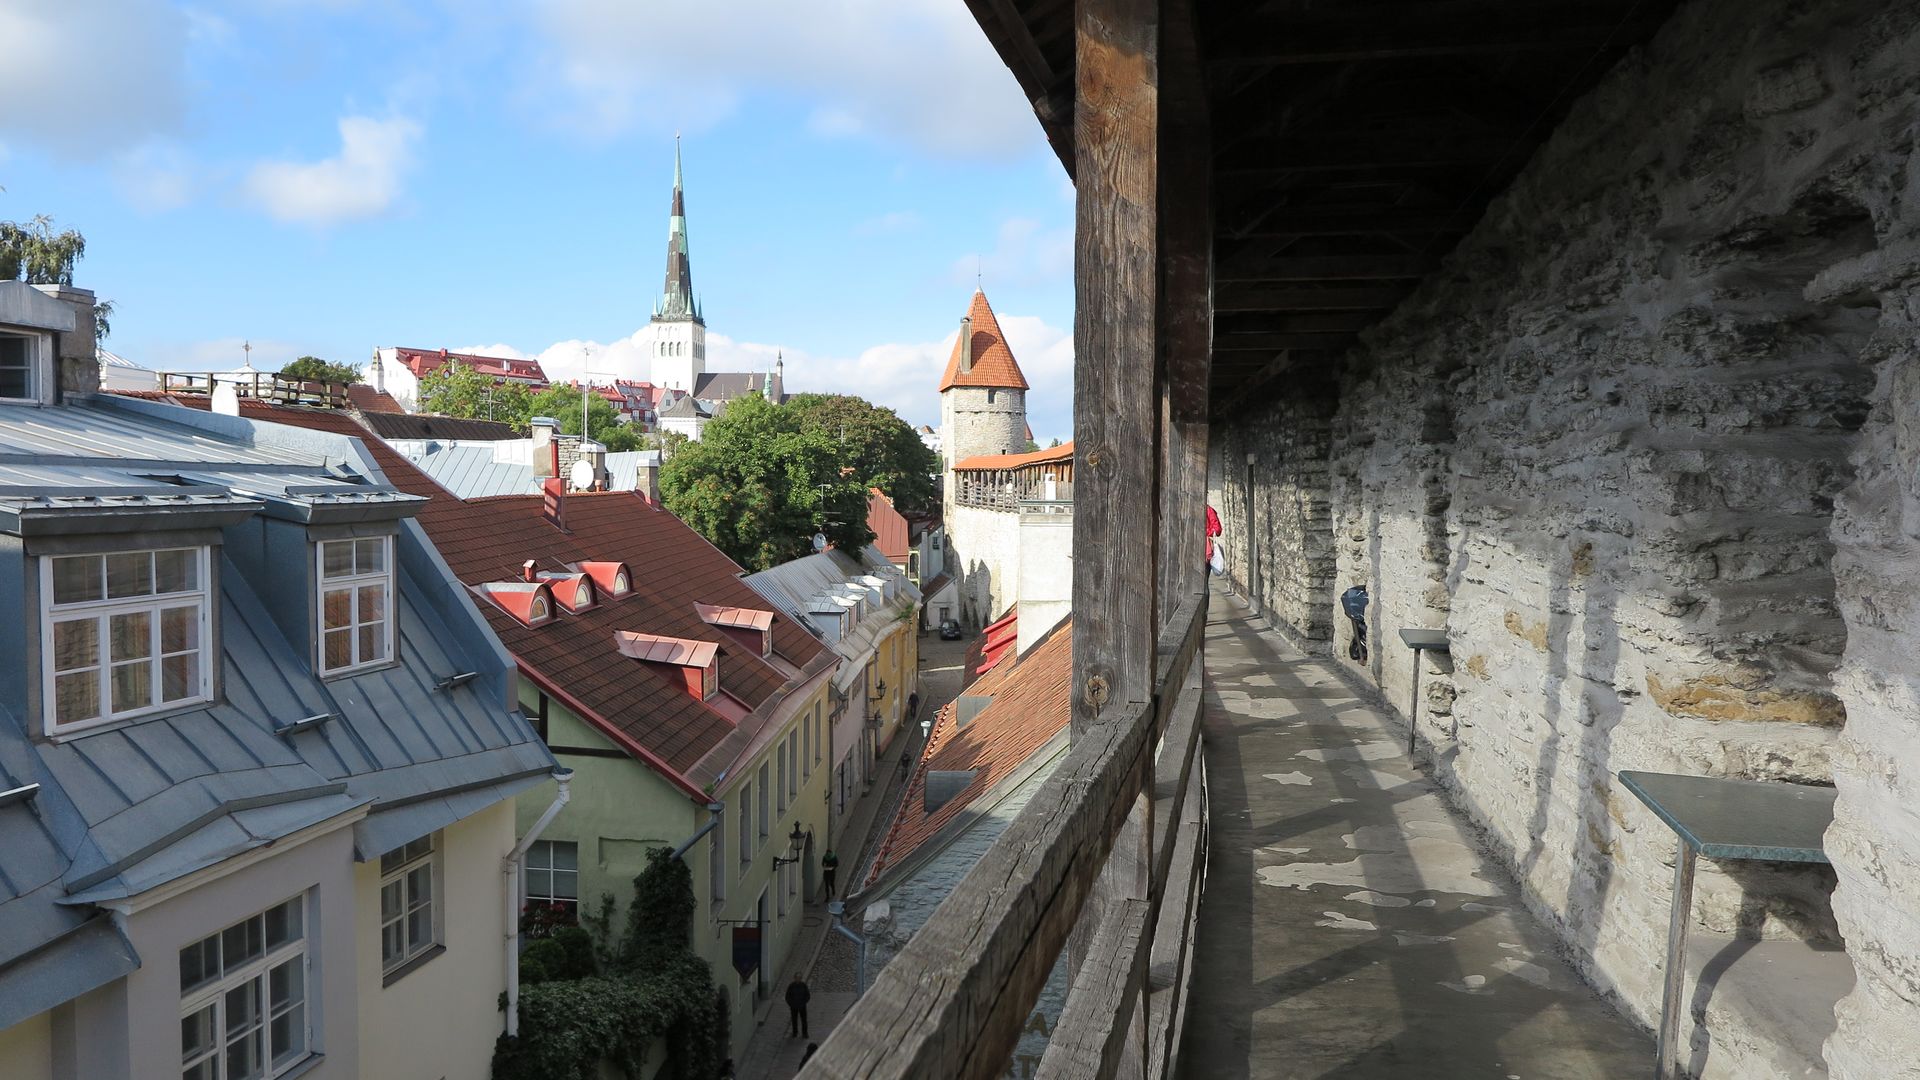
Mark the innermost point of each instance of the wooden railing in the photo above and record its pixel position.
(1126, 803)
(261, 385)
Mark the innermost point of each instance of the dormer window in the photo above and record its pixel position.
(573, 592)
(611, 578)
(695, 663)
(20, 366)
(530, 603)
(123, 634)
(356, 603)
(710, 680)
(538, 611)
(750, 628)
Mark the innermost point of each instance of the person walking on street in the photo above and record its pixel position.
(797, 997)
(829, 866)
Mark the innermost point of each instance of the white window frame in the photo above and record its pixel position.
(352, 582)
(710, 679)
(717, 857)
(782, 788)
(39, 366)
(398, 871)
(540, 858)
(762, 819)
(101, 613)
(793, 767)
(215, 994)
(746, 826)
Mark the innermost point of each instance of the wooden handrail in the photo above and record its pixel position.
(953, 1002)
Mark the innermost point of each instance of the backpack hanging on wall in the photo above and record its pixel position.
(1354, 603)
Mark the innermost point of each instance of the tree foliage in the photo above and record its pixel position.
(650, 986)
(314, 369)
(37, 255)
(459, 390)
(882, 450)
(760, 483)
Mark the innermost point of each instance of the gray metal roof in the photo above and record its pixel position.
(127, 807)
(794, 586)
(468, 471)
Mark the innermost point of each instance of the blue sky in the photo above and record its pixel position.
(327, 176)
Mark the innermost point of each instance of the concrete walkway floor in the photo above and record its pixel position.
(1352, 926)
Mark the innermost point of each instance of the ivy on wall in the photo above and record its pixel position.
(578, 1009)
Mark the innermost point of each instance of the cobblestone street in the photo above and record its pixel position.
(828, 960)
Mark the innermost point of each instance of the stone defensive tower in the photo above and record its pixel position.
(983, 396)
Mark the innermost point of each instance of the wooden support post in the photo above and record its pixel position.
(1186, 302)
(1118, 499)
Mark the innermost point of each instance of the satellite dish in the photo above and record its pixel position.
(582, 475)
(819, 542)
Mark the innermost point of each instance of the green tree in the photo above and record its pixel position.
(603, 419)
(314, 369)
(458, 390)
(37, 255)
(880, 448)
(759, 484)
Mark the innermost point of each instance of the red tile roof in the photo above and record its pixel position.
(889, 527)
(1032, 702)
(424, 362)
(1049, 456)
(367, 399)
(574, 656)
(993, 363)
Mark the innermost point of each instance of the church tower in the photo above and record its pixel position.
(983, 396)
(679, 333)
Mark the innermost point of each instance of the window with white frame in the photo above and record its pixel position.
(553, 874)
(407, 924)
(819, 735)
(20, 366)
(717, 857)
(124, 633)
(243, 998)
(356, 603)
(792, 768)
(746, 826)
(763, 800)
(783, 790)
(806, 746)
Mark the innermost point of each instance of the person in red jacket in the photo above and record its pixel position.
(1213, 530)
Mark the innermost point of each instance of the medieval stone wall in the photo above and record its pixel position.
(983, 555)
(1622, 447)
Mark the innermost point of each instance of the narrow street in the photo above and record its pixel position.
(828, 960)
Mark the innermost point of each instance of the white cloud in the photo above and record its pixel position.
(87, 78)
(919, 71)
(156, 176)
(219, 354)
(904, 376)
(362, 180)
(1025, 253)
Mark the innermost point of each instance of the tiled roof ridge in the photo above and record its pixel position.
(993, 362)
(1063, 452)
(1015, 681)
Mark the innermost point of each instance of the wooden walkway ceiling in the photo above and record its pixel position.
(1354, 142)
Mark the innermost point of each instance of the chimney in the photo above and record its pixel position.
(526, 570)
(546, 452)
(966, 344)
(77, 365)
(646, 479)
(554, 504)
(378, 371)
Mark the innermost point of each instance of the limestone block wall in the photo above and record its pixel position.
(971, 425)
(1280, 451)
(1646, 447)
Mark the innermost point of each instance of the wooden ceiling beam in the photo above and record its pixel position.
(1373, 153)
(1267, 343)
(1425, 30)
(1231, 297)
(1325, 268)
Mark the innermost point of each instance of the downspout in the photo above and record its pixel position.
(714, 810)
(511, 867)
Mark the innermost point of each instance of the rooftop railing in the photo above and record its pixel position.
(260, 385)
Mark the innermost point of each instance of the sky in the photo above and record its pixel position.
(328, 176)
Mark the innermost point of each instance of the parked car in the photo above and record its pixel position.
(950, 630)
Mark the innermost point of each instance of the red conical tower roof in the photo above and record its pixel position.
(993, 363)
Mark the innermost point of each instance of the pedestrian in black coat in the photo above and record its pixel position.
(797, 997)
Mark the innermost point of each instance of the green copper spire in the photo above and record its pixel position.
(676, 300)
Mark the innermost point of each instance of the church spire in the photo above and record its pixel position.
(676, 299)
